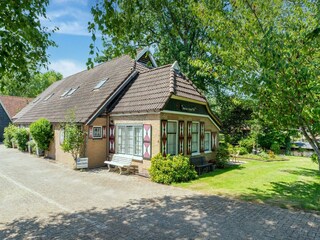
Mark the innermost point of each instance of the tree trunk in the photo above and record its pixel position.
(313, 144)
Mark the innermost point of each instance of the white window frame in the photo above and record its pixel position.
(96, 137)
(61, 136)
(177, 134)
(208, 151)
(198, 150)
(136, 157)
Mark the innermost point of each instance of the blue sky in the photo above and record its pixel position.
(73, 38)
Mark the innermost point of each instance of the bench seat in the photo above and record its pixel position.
(121, 162)
(201, 165)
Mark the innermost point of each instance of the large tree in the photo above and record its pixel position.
(269, 50)
(33, 86)
(23, 41)
(171, 27)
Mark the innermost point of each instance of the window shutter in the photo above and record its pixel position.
(90, 132)
(104, 131)
(111, 138)
(147, 141)
(181, 137)
(189, 137)
(201, 136)
(164, 132)
(213, 140)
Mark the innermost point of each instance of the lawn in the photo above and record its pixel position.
(294, 183)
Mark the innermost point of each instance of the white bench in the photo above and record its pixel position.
(121, 162)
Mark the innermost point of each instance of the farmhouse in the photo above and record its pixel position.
(129, 107)
(10, 106)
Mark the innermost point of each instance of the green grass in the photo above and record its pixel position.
(291, 184)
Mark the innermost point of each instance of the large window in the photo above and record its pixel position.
(207, 141)
(172, 139)
(195, 138)
(129, 140)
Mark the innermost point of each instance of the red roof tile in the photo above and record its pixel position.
(13, 104)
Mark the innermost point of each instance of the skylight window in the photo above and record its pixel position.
(71, 91)
(48, 97)
(100, 84)
(65, 93)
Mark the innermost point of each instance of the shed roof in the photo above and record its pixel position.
(13, 104)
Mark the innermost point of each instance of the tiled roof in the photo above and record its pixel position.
(84, 101)
(14, 104)
(152, 88)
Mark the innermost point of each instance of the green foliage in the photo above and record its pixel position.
(315, 158)
(247, 143)
(241, 150)
(31, 87)
(42, 133)
(171, 27)
(23, 40)
(223, 155)
(22, 138)
(275, 147)
(32, 145)
(73, 137)
(171, 169)
(9, 134)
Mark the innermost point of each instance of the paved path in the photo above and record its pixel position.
(40, 199)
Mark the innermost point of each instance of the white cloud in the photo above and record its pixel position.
(66, 67)
(71, 20)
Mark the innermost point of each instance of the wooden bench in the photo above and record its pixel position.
(201, 165)
(120, 162)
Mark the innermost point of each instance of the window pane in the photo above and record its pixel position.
(130, 140)
(121, 140)
(207, 141)
(195, 138)
(172, 138)
(97, 132)
(138, 141)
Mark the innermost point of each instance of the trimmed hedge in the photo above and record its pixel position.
(171, 169)
(22, 138)
(42, 133)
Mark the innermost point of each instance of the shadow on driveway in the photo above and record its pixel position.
(203, 217)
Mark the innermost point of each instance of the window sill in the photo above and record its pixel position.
(195, 154)
(135, 158)
(207, 151)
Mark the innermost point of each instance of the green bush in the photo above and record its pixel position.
(9, 135)
(264, 155)
(22, 138)
(242, 150)
(42, 133)
(32, 145)
(171, 169)
(223, 155)
(247, 143)
(275, 147)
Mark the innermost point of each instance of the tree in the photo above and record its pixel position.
(73, 137)
(269, 50)
(32, 87)
(171, 27)
(23, 41)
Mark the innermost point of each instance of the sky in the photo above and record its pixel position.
(72, 38)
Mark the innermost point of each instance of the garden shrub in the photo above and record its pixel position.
(171, 169)
(42, 133)
(22, 138)
(275, 147)
(242, 150)
(247, 143)
(9, 135)
(271, 154)
(223, 155)
(264, 155)
(32, 146)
